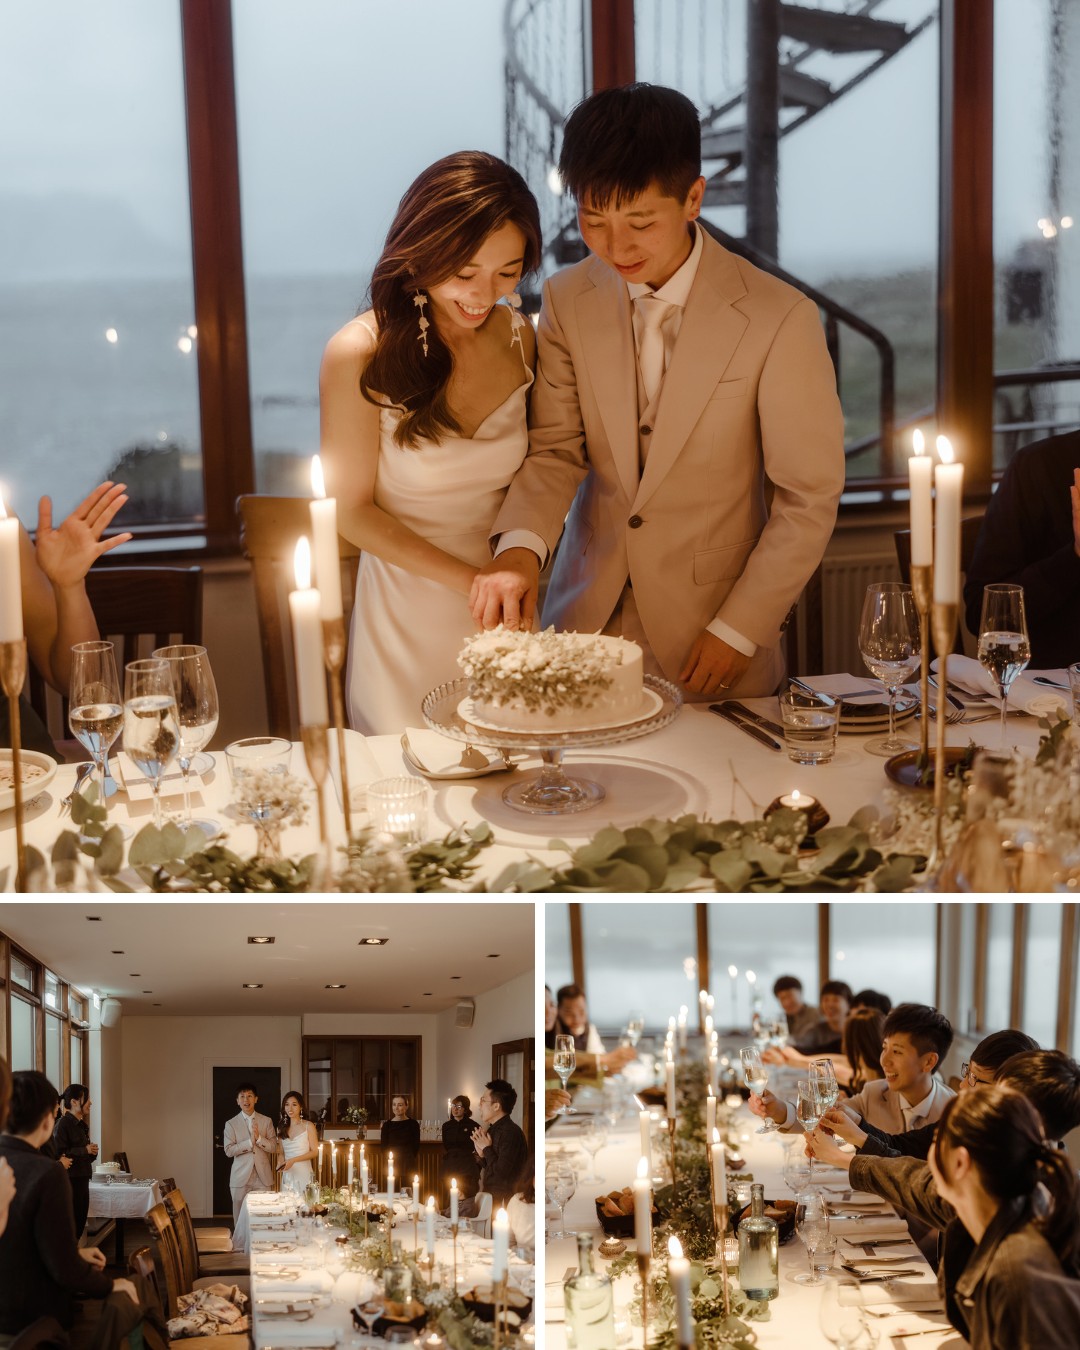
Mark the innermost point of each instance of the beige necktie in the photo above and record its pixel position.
(651, 345)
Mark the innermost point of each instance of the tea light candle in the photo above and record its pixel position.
(949, 489)
(11, 616)
(644, 1121)
(679, 1279)
(669, 1075)
(797, 802)
(643, 1207)
(429, 1226)
(453, 1200)
(500, 1232)
(920, 470)
(390, 1173)
(416, 1191)
(324, 533)
(308, 642)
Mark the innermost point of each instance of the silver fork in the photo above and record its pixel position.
(82, 774)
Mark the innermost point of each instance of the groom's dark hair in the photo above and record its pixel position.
(618, 142)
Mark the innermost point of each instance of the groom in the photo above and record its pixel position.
(251, 1143)
(684, 412)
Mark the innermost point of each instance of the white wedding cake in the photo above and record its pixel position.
(551, 681)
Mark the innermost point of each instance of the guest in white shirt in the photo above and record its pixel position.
(251, 1142)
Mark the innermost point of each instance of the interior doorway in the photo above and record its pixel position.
(267, 1083)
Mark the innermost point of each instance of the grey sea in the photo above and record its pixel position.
(72, 402)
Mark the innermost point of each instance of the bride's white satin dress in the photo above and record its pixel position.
(407, 630)
(299, 1174)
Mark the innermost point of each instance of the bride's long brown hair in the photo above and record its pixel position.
(440, 223)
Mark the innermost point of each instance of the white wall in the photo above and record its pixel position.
(507, 1013)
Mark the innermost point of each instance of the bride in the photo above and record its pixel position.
(423, 402)
(299, 1143)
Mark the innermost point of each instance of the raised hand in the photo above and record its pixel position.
(480, 1138)
(825, 1149)
(840, 1123)
(67, 552)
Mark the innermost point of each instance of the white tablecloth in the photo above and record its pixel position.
(794, 1313)
(122, 1199)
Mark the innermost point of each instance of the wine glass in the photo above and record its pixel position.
(594, 1136)
(823, 1076)
(809, 1110)
(563, 1186)
(564, 1061)
(756, 1078)
(197, 713)
(841, 1316)
(1004, 646)
(797, 1171)
(812, 1225)
(95, 714)
(370, 1311)
(889, 643)
(151, 733)
(635, 1025)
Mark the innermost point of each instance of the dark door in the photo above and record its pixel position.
(268, 1087)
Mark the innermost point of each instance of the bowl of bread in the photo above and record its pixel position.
(782, 1211)
(615, 1212)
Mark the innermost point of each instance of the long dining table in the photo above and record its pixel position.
(699, 764)
(906, 1312)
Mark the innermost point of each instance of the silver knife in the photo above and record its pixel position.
(756, 718)
(723, 711)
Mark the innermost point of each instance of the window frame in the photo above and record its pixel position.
(415, 1097)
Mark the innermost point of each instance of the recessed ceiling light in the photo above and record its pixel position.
(373, 942)
(427, 996)
(155, 1005)
(406, 1005)
(491, 956)
(333, 986)
(135, 974)
(455, 977)
(118, 953)
(251, 986)
(93, 918)
(259, 941)
(148, 991)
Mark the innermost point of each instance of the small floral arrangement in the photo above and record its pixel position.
(266, 795)
(357, 1115)
(545, 671)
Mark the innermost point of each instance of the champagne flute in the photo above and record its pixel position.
(197, 713)
(823, 1076)
(564, 1061)
(95, 713)
(635, 1025)
(594, 1136)
(756, 1078)
(889, 643)
(151, 732)
(809, 1110)
(1004, 646)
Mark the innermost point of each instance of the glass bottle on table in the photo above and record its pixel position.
(1004, 645)
(95, 712)
(756, 1078)
(590, 1304)
(759, 1245)
(564, 1061)
(889, 644)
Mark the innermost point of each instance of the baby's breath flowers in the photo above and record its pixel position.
(546, 672)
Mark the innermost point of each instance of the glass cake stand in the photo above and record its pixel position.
(550, 792)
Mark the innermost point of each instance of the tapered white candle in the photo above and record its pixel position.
(669, 1075)
(11, 615)
(719, 1169)
(708, 1027)
(949, 490)
(363, 1173)
(324, 534)
(390, 1173)
(453, 1200)
(643, 1207)
(416, 1191)
(352, 1161)
(644, 1121)
(429, 1226)
(920, 472)
(500, 1231)
(308, 642)
(710, 1113)
(714, 1069)
(319, 1177)
(679, 1279)
(683, 1011)
(333, 1164)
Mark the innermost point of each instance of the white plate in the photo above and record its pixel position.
(860, 724)
(35, 785)
(651, 703)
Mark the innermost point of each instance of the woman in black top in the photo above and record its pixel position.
(401, 1136)
(459, 1156)
(72, 1140)
(41, 1265)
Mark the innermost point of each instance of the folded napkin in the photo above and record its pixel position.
(442, 757)
(310, 1282)
(866, 1230)
(307, 1333)
(361, 764)
(913, 1291)
(850, 1252)
(138, 788)
(1039, 700)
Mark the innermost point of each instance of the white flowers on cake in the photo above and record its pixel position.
(545, 672)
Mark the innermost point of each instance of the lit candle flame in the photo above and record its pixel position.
(918, 442)
(795, 794)
(751, 978)
(733, 971)
(716, 1136)
(643, 1168)
(3, 509)
(302, 564)
(711, 1093)
(674, 1247)
(318, 483)
(945, 450)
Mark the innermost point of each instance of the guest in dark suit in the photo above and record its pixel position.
(500, 1144)
(1031, 537)
(459, 1156)
(41, 1266)
(401, 1135)
(7, 1176)
(71, 1138)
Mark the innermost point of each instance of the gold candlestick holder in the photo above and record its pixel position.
(644, 1261)
(671, 1139)
(500, 1311)
(720, 1222)
(943, 623)
(415, 1230)
(922, 587)
(316, 741)
(334, 651)
(453, 1248)
(12, 675)
(427, 1263)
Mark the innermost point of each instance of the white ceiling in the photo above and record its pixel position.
(194, 957)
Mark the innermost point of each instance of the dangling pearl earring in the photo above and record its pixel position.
(517, 321)
(420, 299)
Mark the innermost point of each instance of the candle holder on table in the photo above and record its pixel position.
(500, 1292)
(720, 1222)
(672, 1121)
(316, 741)
(12, 675)
(334, 650)
(943, 623)
(922, 586)
(644, 1262)
(453, 1247)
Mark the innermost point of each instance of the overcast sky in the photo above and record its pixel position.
(341, 102)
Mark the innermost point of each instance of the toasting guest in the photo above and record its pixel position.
(459, 1156)
(500, 1144)
(402, 1135)
(71, 1137)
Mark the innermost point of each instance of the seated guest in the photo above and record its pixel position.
(860, 1063)
(459, 1157)
(56, 611)
(801, 1017)
(870, 998)
(987, 1060)
(825, 1037)
(551, 1018)
(401, 1136)
(500, 1144)
(7, 1176)
(1008, 1204)
(572, 1019)
(1050, 1081)
(521, 1209)
(71, 1139)
(42, 1268)
(1031, 536)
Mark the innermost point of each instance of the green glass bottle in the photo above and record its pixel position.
(759, 1244)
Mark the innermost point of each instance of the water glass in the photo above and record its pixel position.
(258, 767)
(151, 731)
(822, 1258)
(1004, 646)
(810, 725)
(399, 807)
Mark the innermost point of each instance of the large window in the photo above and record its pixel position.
(96, 307)
(640, 957)
(1042, 954)
(348, 1071)
(889, 947)
(771, 941)
(999, 967)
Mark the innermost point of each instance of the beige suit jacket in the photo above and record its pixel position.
(745, 465)
(252, 1166)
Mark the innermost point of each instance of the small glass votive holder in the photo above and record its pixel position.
(256, 755)
(399, 807)
(810, 725)
(1074, 685)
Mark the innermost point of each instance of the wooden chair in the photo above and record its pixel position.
(221, 1262)
(269, 529)
(481, 1221)
(969, 534)
(142, 1263)
(122, 1159)
(138, 608)
(44, 1334)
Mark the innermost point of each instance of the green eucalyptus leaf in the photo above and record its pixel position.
(80, 809)
(111, 856)
(66, 848)
(732, 872)
(651, 858)
(148, 848)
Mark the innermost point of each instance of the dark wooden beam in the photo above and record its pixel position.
(1067, 978)
(763, 125)
(218, 261)
(577, 945)
(1019, 948)
(982, 948)
(612, 42)
(824, 941)
(701, 912)
(966, 243)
